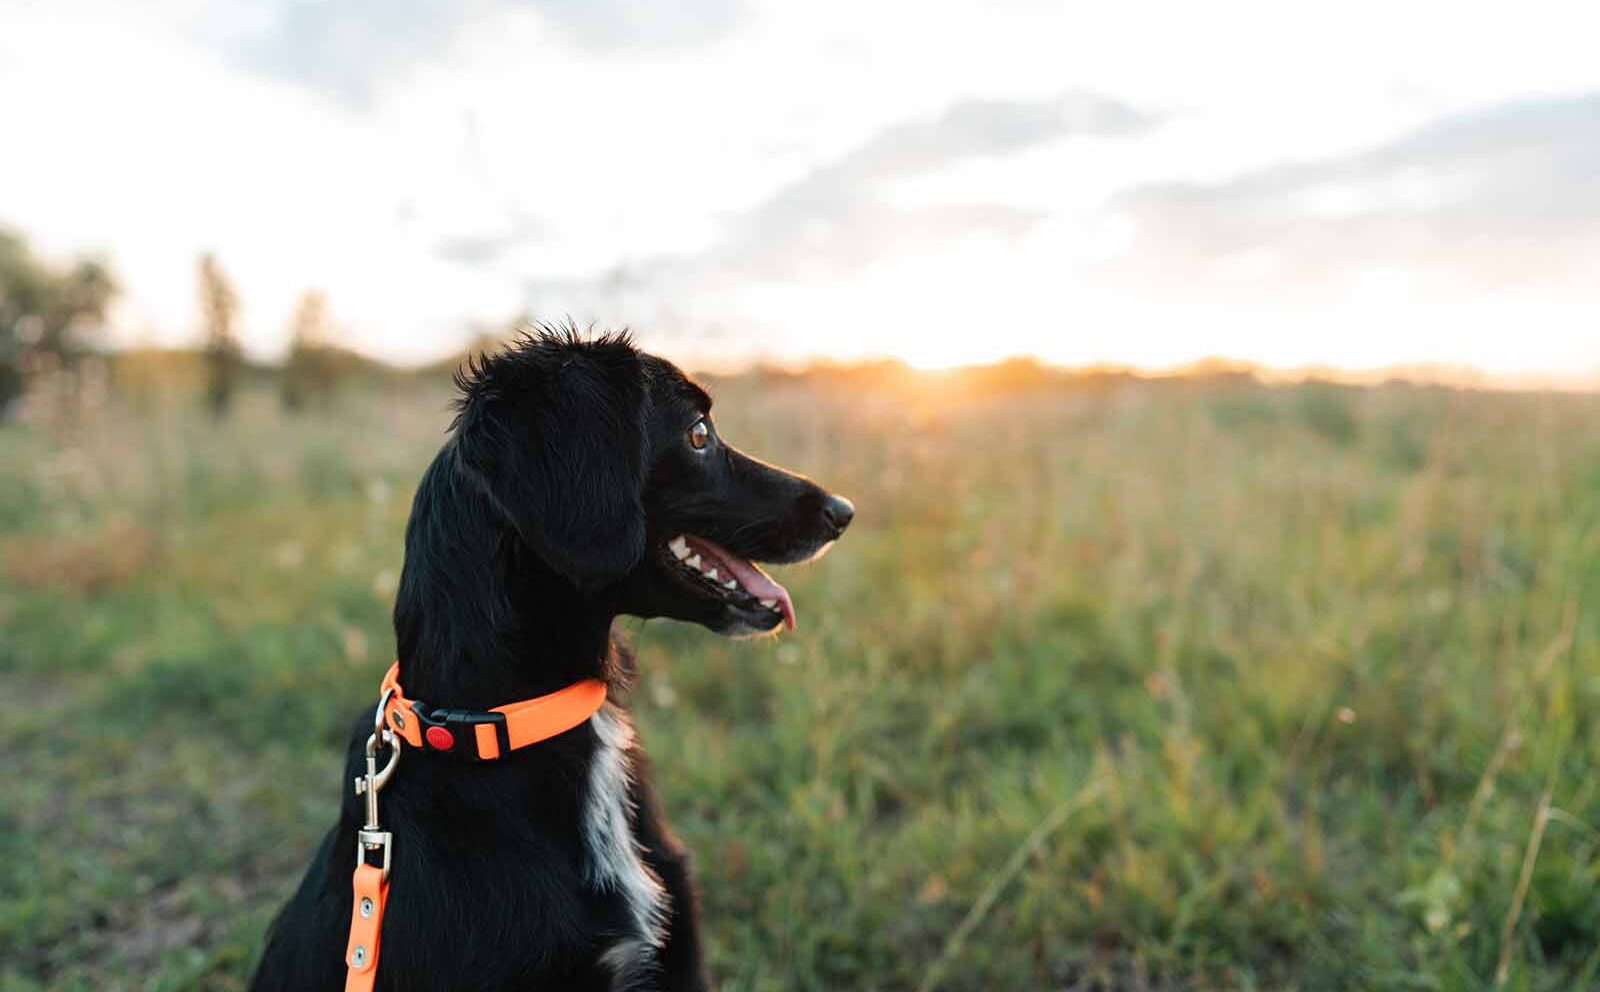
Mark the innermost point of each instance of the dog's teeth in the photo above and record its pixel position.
(693, 562)
(769, 603)
(711, 573)
(679, 547)
(731, 584)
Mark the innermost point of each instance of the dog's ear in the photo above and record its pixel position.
(554, 430)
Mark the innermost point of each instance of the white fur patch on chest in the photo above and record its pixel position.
(614, 861)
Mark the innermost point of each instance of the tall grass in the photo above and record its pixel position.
(1147, 686)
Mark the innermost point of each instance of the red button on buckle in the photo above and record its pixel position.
(440, 739)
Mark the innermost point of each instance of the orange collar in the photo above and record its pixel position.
(492, 733)
(485, 734)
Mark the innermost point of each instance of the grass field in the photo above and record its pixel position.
(1138, 686)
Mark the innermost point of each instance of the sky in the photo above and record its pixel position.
(1358, 185)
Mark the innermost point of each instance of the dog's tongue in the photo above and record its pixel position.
(760, 585)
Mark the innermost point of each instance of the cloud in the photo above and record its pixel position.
(974, 128)
(832, 224)
(350, 48)
(477, 250)
(611, 25)
(836, 219)
(345, 49)
(1499, 196)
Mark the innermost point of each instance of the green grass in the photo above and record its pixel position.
(1289, 672)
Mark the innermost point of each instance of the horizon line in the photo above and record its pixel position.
(1447, 374)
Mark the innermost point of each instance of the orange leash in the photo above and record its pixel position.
(477, 735)
(366, 925)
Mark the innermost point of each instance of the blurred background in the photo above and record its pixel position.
(1216, 384)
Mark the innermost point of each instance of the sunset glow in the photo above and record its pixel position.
(1144, 186)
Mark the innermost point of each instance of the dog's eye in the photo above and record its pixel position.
(699, 435)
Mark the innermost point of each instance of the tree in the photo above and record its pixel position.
(313, 367)
(48, 316)
(218, 305)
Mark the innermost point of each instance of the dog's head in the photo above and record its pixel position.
(605, 463)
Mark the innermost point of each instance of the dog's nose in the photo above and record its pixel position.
(838, 511)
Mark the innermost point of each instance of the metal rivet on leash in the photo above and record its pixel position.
(366, 906)
(399, 720)
(358, 957)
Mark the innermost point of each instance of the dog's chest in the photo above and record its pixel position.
(615, 864)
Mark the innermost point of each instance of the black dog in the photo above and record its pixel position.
(582, 480)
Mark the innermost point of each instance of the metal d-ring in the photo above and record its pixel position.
(377, 716)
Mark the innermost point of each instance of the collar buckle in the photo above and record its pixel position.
(456, 732)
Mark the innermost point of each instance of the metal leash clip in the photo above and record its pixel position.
(371, 837)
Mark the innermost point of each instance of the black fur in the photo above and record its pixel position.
(544, 516)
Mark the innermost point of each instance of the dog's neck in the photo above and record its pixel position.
(481, 621)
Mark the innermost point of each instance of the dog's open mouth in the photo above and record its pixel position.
(729, 577)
